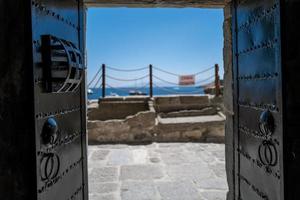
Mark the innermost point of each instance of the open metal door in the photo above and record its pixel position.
(258, 100)
(59, 99)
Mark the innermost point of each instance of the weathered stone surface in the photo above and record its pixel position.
(139, 191)
(214, 195)
(95, 196)
(143, 120)
(201, 128)
(198, 173)
(139, 156)
(104, 174)
(98, 187)
(148, 127)
(189, 171)
(120, 157)
(117, 108)
(177, 103)
(193, 135)
(108, 131)
(100, 154)
(133, 128)
(189, 113)
(141, 172)
(228, 96)
(155, 160)
(212, 183)
(218, 169)
(178, 190)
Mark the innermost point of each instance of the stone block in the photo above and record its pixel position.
(214, 195)
(183, 190)
(218, 169)
(120, 157)
(212, 184)
(141, 172)
(190, 172)
(100, 155)
(193, 134)
(117, 109)
(176, 103)
(96, 196)
(103, 187)
(104, 174)
(139, 191)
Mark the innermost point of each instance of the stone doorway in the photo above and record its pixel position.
(104, 154)
(20, 91)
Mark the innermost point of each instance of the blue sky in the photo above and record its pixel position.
(183, 41)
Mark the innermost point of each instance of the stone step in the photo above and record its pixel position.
(191, 120)
(209, 128)
(190, 113)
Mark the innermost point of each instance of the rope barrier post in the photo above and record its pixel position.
(151, 80)
(103, 80)
(217, 81)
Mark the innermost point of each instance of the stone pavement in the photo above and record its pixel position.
(158, 171)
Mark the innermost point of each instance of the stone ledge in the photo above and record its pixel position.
(146, 127)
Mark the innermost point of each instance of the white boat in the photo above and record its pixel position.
(90, 91)
(114, 94)
(136, 93)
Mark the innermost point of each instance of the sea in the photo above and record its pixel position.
(157, 91)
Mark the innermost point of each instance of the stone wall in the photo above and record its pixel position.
(135, 128)
(205, 124)
(117, 108)
(228, 98)
(166, 104)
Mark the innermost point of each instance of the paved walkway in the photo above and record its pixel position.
(164, 171)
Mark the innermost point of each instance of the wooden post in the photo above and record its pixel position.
(151, 80)
(103, 80)
(217, 81)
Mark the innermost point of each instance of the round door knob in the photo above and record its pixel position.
(49, 133)
(266, 123)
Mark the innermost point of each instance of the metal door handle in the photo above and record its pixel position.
(266, 123)
(50, 131)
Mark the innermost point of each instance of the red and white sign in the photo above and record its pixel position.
(187, 80)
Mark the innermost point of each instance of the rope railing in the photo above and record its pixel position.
(95, 76)
(155, 78)
(127, 80)
(126, 70)
(203, 71)
(204, 80)
(167, 72)
(99, 79)
(174, 74)
(165, 81)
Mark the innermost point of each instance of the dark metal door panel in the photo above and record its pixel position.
(60, 118)
(259, 171)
